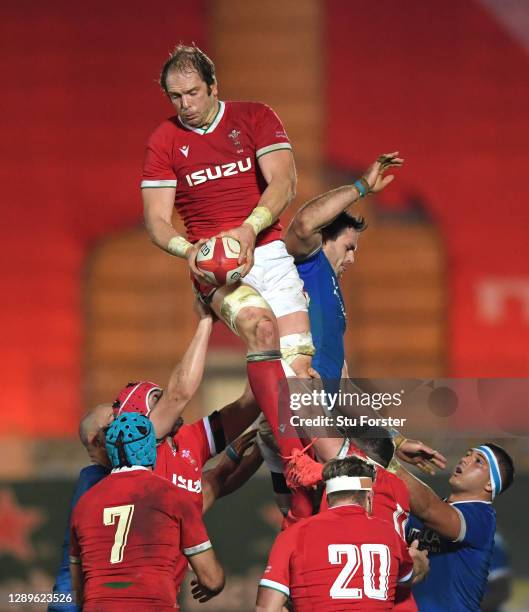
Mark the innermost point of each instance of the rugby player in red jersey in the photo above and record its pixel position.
(341, 558)
(228, 169)
(129, 531)
(391, 499)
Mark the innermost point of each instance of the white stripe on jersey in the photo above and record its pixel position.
(209, 434)
(275, 147)
(272, 584)
(194, 550)
(155, 184)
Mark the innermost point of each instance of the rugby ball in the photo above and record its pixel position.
(217, 260)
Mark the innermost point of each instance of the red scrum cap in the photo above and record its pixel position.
(135, 398)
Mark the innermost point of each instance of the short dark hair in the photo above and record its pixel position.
(376, 442)
(348, 466)
(186, 58)
(380, 448)
(506, 464)
(342, 222)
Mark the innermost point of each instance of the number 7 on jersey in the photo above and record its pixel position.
(124, 515)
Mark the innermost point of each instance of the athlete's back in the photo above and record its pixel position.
(339, 559)
(129, 531)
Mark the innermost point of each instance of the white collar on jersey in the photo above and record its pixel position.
(132, 468)
(211, 127)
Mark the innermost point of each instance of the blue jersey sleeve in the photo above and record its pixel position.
(88, 477)
(478, 524)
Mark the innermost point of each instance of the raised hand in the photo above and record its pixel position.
(422, 456)
(375, 176)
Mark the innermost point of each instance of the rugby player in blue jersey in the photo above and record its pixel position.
(459, 531)
(323, 238)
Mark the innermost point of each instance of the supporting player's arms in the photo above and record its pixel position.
(209, 575)
(185, 377)
(239, 415)
(429, 508)
(232, 471)
(303, 235)
(279, 172)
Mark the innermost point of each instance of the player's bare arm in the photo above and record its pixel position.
(429, 508)
(269, 600)
(185, 377)
(303, 235)
(239, 415)
(209, 575)
(279, 172)
(158, 206)
(238, 464)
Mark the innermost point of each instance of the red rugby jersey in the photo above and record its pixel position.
(130, 530)
(215, 171)
(391, 498)
(181, 460)
(391, 502)
(340, 559)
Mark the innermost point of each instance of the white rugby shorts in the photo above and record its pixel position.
(275, 276)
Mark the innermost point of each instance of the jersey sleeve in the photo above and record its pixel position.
(269, 133)
(277, 573)
(195, 538)
(477, 524)
(158, 169)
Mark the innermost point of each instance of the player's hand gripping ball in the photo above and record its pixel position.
(218, 258)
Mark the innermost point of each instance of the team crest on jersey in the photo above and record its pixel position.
(184, 150)
(234, 135)
(186, 454)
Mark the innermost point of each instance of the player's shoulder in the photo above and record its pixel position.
(168, 129)
(190, 430)
(479, 510)
(397, 485)
(250, 108)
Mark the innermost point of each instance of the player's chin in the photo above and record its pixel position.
(454, 479)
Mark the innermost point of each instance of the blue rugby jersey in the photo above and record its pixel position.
(458, 570)
(326, 312)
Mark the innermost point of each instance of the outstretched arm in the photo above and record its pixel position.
(185, 377)
(234, 469)
(303, 235)
(429, 508)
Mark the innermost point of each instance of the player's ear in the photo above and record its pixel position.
(488, 486)
(213, 89)
(369, 502)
